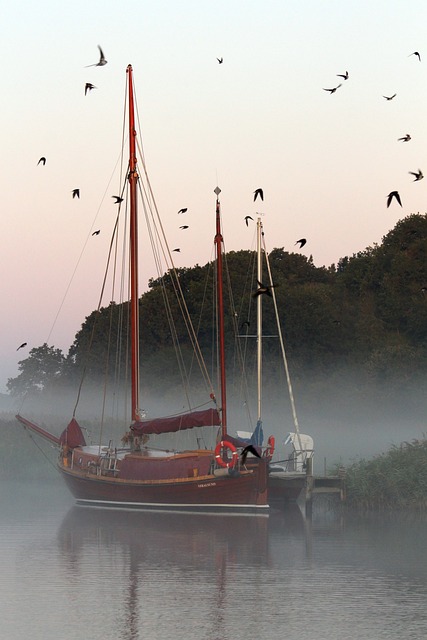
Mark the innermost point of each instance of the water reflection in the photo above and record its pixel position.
(135, 575)
(140, 550)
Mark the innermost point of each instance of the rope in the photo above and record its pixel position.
(282, 346)
(40, 448)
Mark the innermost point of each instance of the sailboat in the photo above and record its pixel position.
(136, 475)
(286, 476)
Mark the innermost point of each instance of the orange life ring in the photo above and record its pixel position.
(224, 444)
(271, 445)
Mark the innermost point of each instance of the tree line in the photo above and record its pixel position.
(368, 313)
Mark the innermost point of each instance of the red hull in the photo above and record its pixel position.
(246, 492)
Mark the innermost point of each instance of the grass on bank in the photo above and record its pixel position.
(396, 479)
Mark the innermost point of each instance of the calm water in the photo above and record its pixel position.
(76, 573)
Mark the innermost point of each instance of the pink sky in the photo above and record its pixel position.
(261, 119)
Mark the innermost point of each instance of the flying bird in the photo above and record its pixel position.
(102, 60)
(415, 54)
(405, 138)
(249, 449)
(76, 193)
(331, 91)
(246, 323)
(343, 75)
(118, 199)
(260, 193)
(177, 250)
(220, 60)
(418, 175)
(391, 195)
(390, 97)
(89, 87)
(42, 160)
(247, 218)
(262, 289)
(96, 233)
(184, 226)
(183, 210)
(301, 242)
(21, 346)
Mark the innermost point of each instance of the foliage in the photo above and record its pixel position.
(39, 372)
(369, 314)
(396, 479)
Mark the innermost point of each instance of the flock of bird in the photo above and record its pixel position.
(76, 192)
(418, 175)
(258, 193)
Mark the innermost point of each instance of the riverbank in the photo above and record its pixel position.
(393, 480)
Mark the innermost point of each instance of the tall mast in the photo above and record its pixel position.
(134, 301)
(259, 318)
(220, 305)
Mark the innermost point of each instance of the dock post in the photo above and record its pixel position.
(309, 485)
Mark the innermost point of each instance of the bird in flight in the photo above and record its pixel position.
(331, 91)
(301, 242)
(102, 60)
(42, 160)
(249, 449)
(260, 193)
(21, 346)
(391, 195)
(405, 138)
(184, 226)
(89, 87)
(96, 233)
(183, 210)
(177, 250)
(343, 75)
(118, 199)
(247, 218)
(220, 60)
(76, 193)
(390, 97)
(418, 175)
(262, 289)
(415, 54)
(246, 323)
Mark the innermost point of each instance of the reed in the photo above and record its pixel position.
(396, 479)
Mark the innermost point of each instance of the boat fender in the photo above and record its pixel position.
(271, 445)
(224, 444)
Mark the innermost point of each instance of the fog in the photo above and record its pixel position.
(348, 417)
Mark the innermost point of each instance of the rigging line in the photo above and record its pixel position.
(282, 346)
(251, 270)
(177, 286)
(234, 320)
(202, 307)
(81, 254)
(169, 315)
(120, 319)
(97, 315)
(111, 317)
(181, 299)
(44, 454)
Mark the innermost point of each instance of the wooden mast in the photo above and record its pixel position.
(259, 319)
(220, 305)
(134, 299)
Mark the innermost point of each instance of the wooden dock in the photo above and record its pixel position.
(326, 485)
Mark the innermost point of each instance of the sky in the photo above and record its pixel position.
(326, 162)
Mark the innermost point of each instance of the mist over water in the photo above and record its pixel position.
(348, 417)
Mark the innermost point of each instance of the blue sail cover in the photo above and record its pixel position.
(258, 435)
